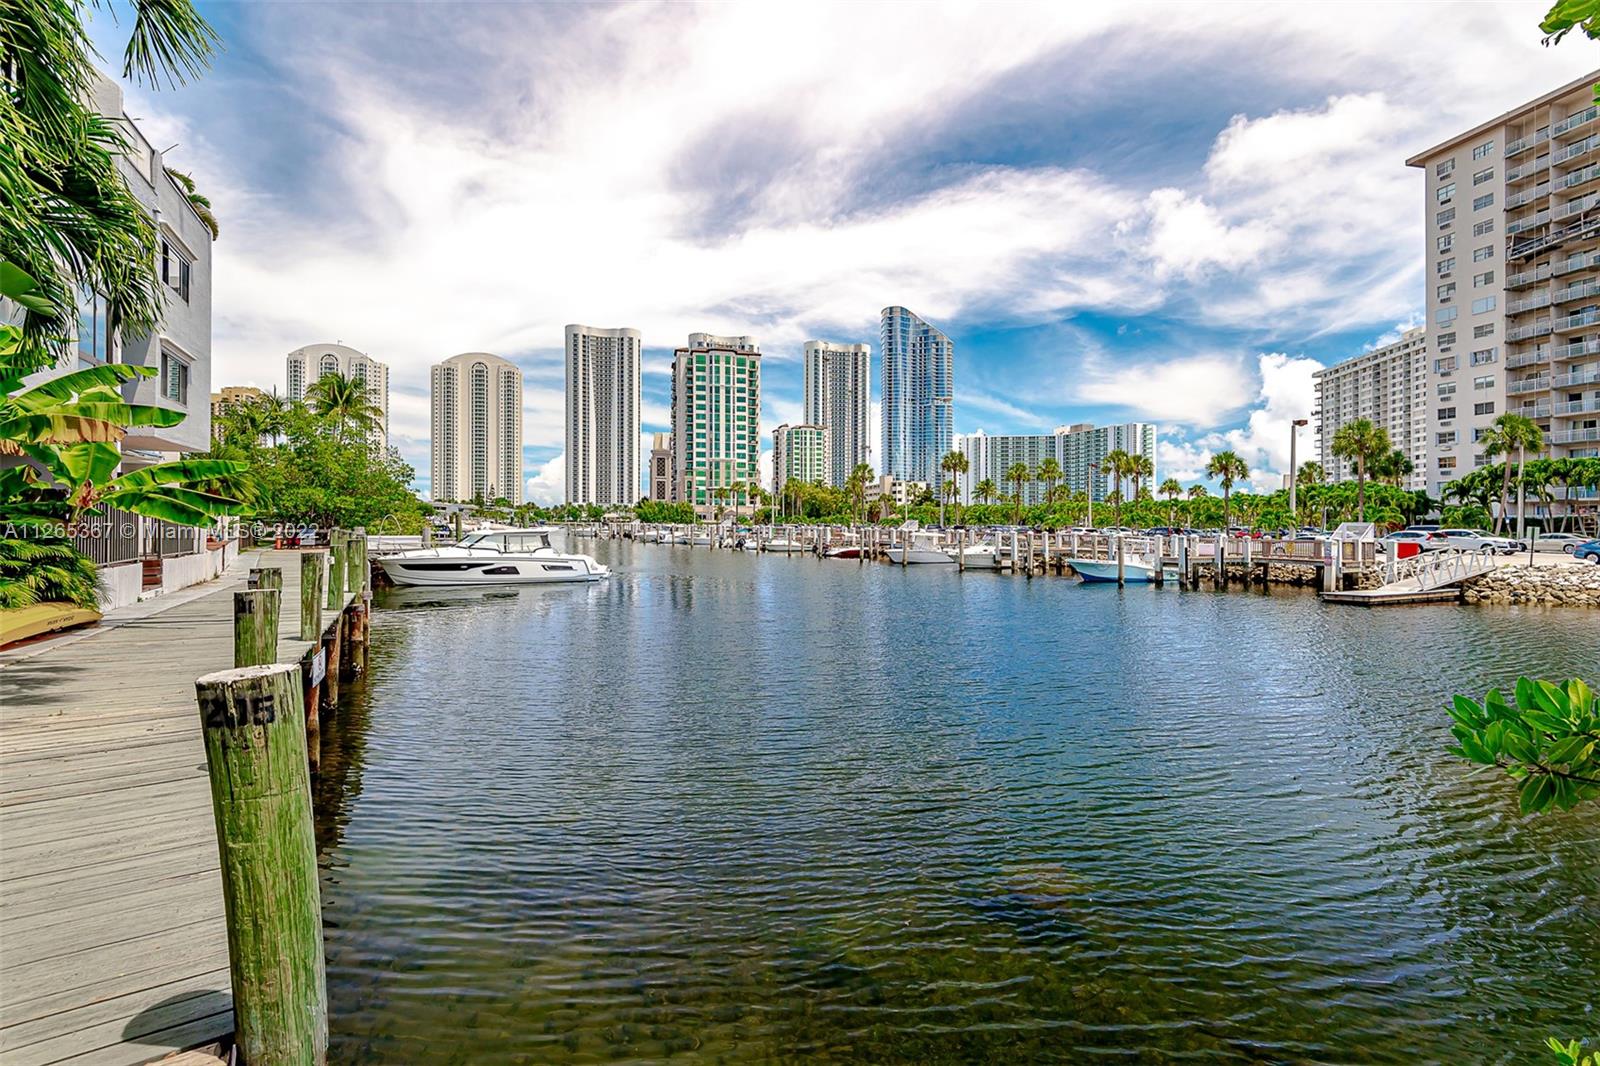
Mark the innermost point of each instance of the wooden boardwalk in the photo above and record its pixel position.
(113, 950)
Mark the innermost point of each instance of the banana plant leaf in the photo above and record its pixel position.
(88, 464)
(128, 414)
(69, 385)
(62, 429)
(18, 285)
(180, 470)
(207, 505)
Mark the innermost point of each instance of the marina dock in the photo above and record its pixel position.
(111, 907)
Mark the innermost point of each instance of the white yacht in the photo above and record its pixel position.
(924, 548)
(783, 544)
(978, 557)
(492, 557)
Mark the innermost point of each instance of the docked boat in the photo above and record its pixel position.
(1134, 569)
(783, 544)
(979, 557)
(850, 549)
(919, 548)
(700, 540)
(492, 557)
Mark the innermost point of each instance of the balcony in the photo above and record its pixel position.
(1528, 169)
(1527, 385)
(1576, 149)
(1574, 122)
(1586, 406)
(1576, 378)
(1577, 350)
(1585, 229)
(1522, 144)
(1574, 436)
(1528, 222)
(1575, 262)
(1577, 292)
(1575, 207)
(1532, 329)
(1528, 303)
(1522, 359)
(1532, 410)
(1581, 320)
(1527, 196)
(1529, 277)
(1578, 177)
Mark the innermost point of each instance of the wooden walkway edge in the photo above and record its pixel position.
(113, 949)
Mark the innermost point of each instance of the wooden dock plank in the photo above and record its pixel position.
(110, 895)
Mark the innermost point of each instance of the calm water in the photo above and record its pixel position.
(737, 809)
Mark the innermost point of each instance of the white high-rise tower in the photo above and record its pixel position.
(838, 384)
(602, 416)
(477, 428)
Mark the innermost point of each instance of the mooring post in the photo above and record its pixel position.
(255, 627)
(311, 595)
(1121, 559)
(254, 729)
(1220, 579)
(265, 577)
(336, 570)
(355, 557)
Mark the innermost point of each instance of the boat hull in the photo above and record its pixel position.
(843, 553)
(1105, 570)
(972, 559)
(918, 556)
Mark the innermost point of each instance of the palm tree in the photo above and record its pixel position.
(1511, 433)
(985, 491)
(201, 205)
(1049, 474)
(70, 221)
(1227, 467)
(1017, 473)
(1310, 474)
(1393, 467)
(954, 464)
(343, 401)
(1365, 443)
(856, 486)
(1171, 490)
(1140, 467)
(1198, 492)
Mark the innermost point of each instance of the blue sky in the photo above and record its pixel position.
(1173, 213)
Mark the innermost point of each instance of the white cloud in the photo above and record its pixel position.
(549, 485)
(1198, 390)
(1288, 392)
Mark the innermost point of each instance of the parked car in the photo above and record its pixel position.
(1558, 542)
(1424, 527)
(1589, 551)
(1423, 540)
(1472, 540)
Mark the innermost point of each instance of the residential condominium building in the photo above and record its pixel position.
(1079, 450)
(303, 367)
(661, 467)
(602, 415)
(837, 396)
(799, 453)
(1388, 386)
(716, 421)
(476, 429)
(917, 396)
(1513, 252)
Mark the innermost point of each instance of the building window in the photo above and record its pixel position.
(94, 333)
(1481, 202)
(1447, 390)
(1447, 463)
(1444, 266)
(1486, 329)
(1483, 408)
(1484, 227)
(1445, 315)
(1484, 382)
(1448, 437)
(1445, 169)
(1480, 254)
(175, 269)
(1483, 305)
(1445, 414)
(1480, 280)
(1486, 174)
(1444, 365)
(1444, 193)
(1445, 243)
(1445, 217)
(174, 378)
(1484, 356)
(1445, 291)
(1484, 150)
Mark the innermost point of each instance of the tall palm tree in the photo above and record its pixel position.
(1171, 490)
(1139, 468)
(1049, 475)
(1198, 492)
(1116, 466)
(984, 491)
(856, 487)
(1365, 443)
(1508, 434)
(1310, 474)
(1393, 467)
(1227, 468)
(954, 464)
(1017, 473)
(343, 401)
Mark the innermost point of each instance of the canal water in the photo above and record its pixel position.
(734, 809)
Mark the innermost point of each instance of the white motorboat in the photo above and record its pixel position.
(979, 557)
(492, 557)
(783, 544)
(923, 548)
(1134, 569)
(700, 540)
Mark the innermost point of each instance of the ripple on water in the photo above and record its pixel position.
(726, 809)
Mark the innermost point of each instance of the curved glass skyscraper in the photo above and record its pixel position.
(918, 396)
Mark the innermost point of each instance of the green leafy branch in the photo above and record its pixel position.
(1549, 739)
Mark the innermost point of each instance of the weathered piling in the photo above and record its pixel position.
(254, 729)
(255, 626)
(265, 577)
(336, 570)
(1122, 546)
(311, 596)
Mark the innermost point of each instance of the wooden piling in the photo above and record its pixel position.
(1121, 560)
(255, 626)
(265, 577)
(336, 570)
(254, 729)
(311, 596)
(354, 557)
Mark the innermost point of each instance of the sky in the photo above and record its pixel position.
(1165, 212)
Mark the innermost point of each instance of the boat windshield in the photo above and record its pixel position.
(507, 542)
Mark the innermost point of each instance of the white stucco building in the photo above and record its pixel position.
(602, 428)
(837, 395)
(477, 428)
(304, 366)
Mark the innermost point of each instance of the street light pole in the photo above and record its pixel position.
(1094, 470)
(1294, 471)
